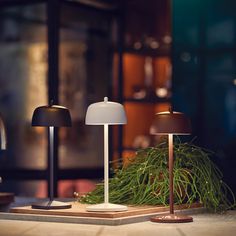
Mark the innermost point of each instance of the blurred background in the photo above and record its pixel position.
(146, 54)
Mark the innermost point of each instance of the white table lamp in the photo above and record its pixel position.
(106, 113)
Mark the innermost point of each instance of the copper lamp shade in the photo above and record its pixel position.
(171, 123)
(52, 115)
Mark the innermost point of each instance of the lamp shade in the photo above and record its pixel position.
(105, 112)
(170, 122)
(52, 115)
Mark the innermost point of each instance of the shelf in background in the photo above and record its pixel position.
(160, 52)
(148, 100)
(140, 117)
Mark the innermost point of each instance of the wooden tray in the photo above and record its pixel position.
(78, 214)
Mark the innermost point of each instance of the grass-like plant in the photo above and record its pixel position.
(144, 181)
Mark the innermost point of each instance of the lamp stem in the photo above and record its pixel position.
(106, 165)
(171, 163)
(51, 157)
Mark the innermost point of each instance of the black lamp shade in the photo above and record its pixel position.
(170, 122)
(53, 115)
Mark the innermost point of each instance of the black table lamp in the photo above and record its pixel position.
(171, 123)
(51, 116)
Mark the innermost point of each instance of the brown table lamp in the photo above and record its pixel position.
(51, 116)
(171, 123)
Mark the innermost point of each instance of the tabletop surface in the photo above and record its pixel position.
(203, 225)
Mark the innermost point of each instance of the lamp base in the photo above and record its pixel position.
(172, 218)
(106, 207)
(50, 205)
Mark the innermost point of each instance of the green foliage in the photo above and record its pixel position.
(145, 180)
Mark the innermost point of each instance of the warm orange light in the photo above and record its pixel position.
(39, 130)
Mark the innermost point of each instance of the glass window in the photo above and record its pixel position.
(85, 71)
(23, 71)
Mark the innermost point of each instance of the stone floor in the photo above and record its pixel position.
(203, 225)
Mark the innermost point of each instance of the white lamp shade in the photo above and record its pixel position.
(105, 112)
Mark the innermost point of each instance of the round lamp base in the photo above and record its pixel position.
(172, 218)
(106, 207)
(50, 205)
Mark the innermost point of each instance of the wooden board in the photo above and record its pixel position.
(79, 210)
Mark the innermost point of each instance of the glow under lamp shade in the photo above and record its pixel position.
(105, 112)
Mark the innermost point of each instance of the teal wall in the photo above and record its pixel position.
(204, 73)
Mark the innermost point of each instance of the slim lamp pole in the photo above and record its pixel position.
(171, 183)
(106, 165)
(51, 153)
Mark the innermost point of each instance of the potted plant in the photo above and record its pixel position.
(144, 181)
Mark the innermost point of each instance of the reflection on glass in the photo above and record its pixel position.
(25, 188)
(84, 74)
(23, 68)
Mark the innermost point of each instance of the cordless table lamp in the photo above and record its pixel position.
(106, 113)
(171, 123)
(51, 116)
